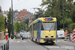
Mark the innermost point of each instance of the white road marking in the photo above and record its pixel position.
(18, 41)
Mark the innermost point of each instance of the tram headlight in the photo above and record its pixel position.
(46, 36)
(52, 36)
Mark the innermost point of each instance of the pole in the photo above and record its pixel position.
(12, 18)
(63, 14)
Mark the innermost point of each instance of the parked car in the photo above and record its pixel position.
(60, 34)
(21, 34)
(17, 35)
(25, 36)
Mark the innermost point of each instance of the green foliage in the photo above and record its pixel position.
(54, 8)
(17, 27)
(27, 21)
(39, 13)
(26, 27)
(73, 14)
(9, 22)
(67, 21)
(24, 22)
(72, 26)
(2, 23)
(17, 37)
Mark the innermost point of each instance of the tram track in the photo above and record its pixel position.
(58, 45)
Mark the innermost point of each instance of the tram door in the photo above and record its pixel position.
(38, 30)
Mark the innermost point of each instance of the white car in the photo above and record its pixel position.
(60, 34)
(21, 33)
(25, 36)
(17, 35)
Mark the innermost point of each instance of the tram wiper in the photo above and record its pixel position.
(51, 28)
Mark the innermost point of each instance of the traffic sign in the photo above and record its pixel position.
(73, 35)
(74, 30)
(6, 30)
(6, 33)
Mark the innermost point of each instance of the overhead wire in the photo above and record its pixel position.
(21, 2)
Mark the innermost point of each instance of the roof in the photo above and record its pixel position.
(43, 20)
(28, 16)
(23, 13)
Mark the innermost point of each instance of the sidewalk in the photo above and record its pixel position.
(4, 44)
(3, 41)
(12, 40)
(69, 40)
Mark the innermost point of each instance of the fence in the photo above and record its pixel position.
(5, 46)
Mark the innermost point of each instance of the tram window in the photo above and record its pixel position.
(35, 26)
(42, 28)
(30, 29)
(49, 26)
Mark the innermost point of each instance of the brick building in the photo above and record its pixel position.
(1, 35)
(22, 14)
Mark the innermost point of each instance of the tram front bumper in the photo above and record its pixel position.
(49, 40)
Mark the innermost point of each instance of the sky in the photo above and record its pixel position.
(21, 4)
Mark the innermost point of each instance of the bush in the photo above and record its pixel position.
(72, 26)
(17, 37)
(2, 23)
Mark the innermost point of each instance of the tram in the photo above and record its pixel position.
(44, 30)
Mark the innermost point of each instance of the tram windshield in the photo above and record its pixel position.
(49, 25)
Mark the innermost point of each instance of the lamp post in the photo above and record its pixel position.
(12, 19)
(63, 14)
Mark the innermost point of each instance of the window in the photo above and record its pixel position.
(42, 28)
(49, 26)
(35, 26)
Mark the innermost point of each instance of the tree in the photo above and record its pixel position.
(24, 22)
(0, 10)
(72, 26)
(17, 27)
(54, 8)
(72, 15)
(9, 22)
(67, 22)
(39, 13)
(2, 23)
(26, 27)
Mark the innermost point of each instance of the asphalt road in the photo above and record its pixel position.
(29, 45)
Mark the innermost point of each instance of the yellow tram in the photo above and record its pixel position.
(44, 30)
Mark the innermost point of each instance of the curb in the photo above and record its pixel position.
(73, 41)
(69, 40)
(11, 40)
(3, 41)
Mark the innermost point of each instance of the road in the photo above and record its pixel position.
(1, 44)
(29, 45)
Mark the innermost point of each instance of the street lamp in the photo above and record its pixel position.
(12, 19)
(63, 14)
